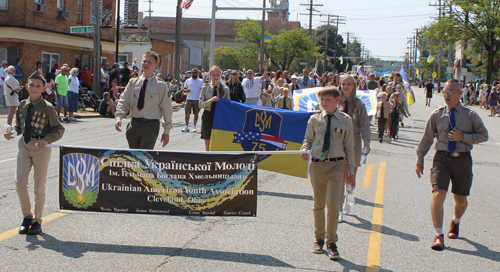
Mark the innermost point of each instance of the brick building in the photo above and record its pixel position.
(39, 30)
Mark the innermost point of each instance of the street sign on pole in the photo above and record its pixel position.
(303, 63)
(81, 29)
(449, 69)
(434, 75)
(464, 70)
(449, 75)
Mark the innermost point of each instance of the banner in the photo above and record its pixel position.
(244, 127)
(154, 182)
(307, 99)
(410, 95)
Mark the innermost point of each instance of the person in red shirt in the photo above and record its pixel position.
(85, 77)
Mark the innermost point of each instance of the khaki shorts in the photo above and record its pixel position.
(458, 170)
(192, 107)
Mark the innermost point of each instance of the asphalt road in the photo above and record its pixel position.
(280, 237)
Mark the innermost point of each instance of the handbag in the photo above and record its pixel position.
(178, 97)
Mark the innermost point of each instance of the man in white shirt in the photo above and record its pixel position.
(3, 76)
(192, 87)
(305, 81)
(204, 75)
(251, 86)
(104, 77)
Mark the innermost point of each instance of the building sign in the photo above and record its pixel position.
(131, 13)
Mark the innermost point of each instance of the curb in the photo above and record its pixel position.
(94, 114)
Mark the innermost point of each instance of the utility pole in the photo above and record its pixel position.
(118, 30)
(311, 9)
(327, 44)
(440, 54)
(263, 25)
(177, 50)
(212, 34)
(150, 11)
(450, 47)
(97, 49)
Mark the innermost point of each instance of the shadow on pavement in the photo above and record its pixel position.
(482, 251)
(349, 266)
(78, 249)
(304, 197)
(362, 202)
(367, 225)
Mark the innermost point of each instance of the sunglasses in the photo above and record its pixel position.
(449, 92)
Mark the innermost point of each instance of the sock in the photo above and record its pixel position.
(456, 220)
(439, 231)
(194, 127)
(186, 127)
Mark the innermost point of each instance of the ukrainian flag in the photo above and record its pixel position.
(243, 127)
(430, 59)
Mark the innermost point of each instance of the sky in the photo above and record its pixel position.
(381, 26)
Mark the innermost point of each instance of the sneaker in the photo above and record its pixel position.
(333, 253)
(66, 119)
(341, 217)
(380, 140)
(25, 225)
(318, 246)
(186, 129)
(194, 129)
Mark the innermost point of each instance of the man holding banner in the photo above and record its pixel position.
(329, 137)
(146, 98)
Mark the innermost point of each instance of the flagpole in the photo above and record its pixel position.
(212, 34)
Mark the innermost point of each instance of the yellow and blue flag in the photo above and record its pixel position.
(430, 59)
(244, 127)
(410, 96)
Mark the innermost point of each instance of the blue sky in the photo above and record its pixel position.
(382, 26)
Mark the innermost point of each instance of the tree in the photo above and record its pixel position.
(477, 21)
(336, 45)
(283, 49)
(226, 58)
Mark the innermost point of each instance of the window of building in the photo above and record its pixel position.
(4, 4)
(60, 4)
(104, 60)
(3, 53)
(48, 61)
(122, 58)
(160, 64)
(86, 61)
(79, 9)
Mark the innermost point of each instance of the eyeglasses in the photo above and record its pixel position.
(449, 92)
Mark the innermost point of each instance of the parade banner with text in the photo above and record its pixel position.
(156, 182)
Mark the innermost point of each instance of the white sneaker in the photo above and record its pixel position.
(194, 129)
(186, 129)
(347, 208)
(341, 217)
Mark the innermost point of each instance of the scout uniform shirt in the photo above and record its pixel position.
(387, 109)
(438, 125)
(398, 107)
(156, 102)
(341, 138)
(44, 122)
(288, 104)
(357, 111)
(207, 92)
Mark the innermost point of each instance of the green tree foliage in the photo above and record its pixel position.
(284, 48)
(206, 60)
(336, 45)
(476, 23)
(136, 38)
(226, 58)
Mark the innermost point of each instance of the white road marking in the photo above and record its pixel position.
(8, 160)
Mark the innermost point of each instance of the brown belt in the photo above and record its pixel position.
(454, 154)
(329, 159)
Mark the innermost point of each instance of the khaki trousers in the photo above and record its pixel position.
(31, 156)
(326, 180)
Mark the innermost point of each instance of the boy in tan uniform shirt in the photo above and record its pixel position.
(37, 122)
(329, 137)
(383, 110)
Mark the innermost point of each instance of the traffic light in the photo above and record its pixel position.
(392, 62)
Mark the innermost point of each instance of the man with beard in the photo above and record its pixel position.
(192, 87)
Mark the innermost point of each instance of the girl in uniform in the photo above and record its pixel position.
(356, 109)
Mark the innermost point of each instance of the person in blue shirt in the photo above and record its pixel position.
(107, 106)
(19, 75)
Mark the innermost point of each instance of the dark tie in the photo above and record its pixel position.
(212, 107)
(284, 103)
(452, 145)
(142, 94)
(27, 125)
(382, 111)
(346, 107)
(326, 142)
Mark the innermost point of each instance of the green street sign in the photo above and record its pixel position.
(93, 20)
(449, 76)
(303, 63)
(82, 29)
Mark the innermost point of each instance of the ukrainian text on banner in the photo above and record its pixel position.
(152, 182)
(243, 127)
(307, 99)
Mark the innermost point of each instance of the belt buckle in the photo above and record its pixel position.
(455, 154)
